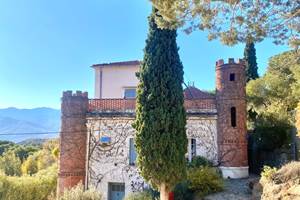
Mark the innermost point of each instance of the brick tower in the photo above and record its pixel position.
(73, 139)
(231, 123)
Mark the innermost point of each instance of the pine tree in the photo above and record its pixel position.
(250, 58)
(161, 140)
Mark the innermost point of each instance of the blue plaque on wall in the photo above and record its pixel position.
(105, 139)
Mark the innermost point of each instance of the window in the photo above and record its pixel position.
(132, 152)
(116, 191)
(129, 93)
(233, 116)
(193, 148)
(232, 77)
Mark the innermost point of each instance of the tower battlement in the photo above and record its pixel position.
(221, 62)
(78, 93)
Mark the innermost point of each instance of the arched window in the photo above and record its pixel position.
(233, 116)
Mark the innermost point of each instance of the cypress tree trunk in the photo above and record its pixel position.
(164, 192)
(250, 59)
(161, 141)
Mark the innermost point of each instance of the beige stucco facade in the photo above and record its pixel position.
(109, 163)
(111, 80)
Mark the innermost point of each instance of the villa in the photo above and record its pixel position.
(97, 139)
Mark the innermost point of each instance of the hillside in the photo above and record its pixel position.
(14, 121)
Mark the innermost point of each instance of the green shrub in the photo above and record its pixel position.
(199, 161)
(182, 191)
(154, 193)
(271, 133)
(78, 193)
(205, 180)
(10, 164)
(268, 172)
(139, 196)
(37, 187)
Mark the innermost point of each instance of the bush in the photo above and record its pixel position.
(268, 172)
(290, 171)
(182, 191)
(78, 193)
(10, 164)
(205, 180)
(139, 196)
(29, 166)
(282, 183)
(199, 161)
(37, 187)
(271, 133)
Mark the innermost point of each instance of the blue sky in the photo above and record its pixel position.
(47, 47)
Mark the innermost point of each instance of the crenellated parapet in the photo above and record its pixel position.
(231, 123)
(73, 139)
(220, 62)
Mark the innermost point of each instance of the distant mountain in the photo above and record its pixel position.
(14, 122)
(33, 142)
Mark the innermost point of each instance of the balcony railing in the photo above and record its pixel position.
(122, 105)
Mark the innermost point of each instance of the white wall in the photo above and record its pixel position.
(111, 163)
(114, 80)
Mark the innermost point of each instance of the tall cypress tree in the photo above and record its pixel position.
(161, 141)
(250, 59)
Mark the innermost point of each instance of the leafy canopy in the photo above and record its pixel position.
(274, 98)
(10, 164)
(278, 91)
(232, 21)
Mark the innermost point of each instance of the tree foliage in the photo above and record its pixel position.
(42, 159)
(161, 141)
(277, 93)
(30, 166)
(26, 159)
(5, 145)
(10, 164)
(234, 20)
(37, 187)
(250, 61)
(37, 182)
(21, 151)
(274, 98)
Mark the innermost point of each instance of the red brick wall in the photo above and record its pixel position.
(73, 136)
(232, 142)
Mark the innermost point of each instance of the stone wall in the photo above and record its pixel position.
(110, 163)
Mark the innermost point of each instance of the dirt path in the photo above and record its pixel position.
(235, 189)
